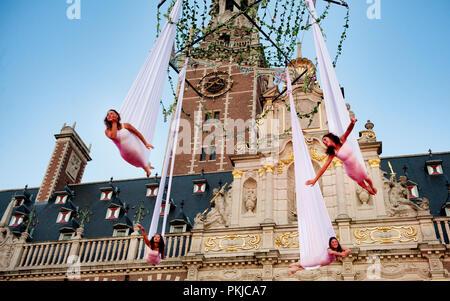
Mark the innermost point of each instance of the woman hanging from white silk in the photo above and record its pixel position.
(132, 145)
(337, 147)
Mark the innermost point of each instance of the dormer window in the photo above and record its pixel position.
(413, 191)
(199, 187)
(61, 199)
(63, 217)
(18, 202)
(113, 213)
(121, 232)
(16, 220)
(66, 235)
(163, 208)
(152, 191)
(106, 195)
(434, 167)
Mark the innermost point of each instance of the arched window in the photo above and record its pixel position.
(229, 5)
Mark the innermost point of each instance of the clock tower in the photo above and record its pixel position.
(67, 163)
(215, 121)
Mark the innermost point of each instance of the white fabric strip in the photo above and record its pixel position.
(141, 105)
(337, 113)
(314, 225)
(181, 83)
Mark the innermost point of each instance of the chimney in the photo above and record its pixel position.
(67, 163)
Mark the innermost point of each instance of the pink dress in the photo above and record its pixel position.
(153, 257)
(351, 164)
(131, 148)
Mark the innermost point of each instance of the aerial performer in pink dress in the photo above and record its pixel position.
(338, 148)
(156, 246)
(131, 144)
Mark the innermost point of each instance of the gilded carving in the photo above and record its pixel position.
(337, 162)
(315, 155)
(386, 235)
(260, 172)
(287, 240)
(232, 242)
(269, 168)
(237, 174)
(374, 162)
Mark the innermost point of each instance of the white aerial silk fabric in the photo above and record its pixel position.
(174, 133)
(337, 113)
(173, 139)
(141, 105)
(314, 225)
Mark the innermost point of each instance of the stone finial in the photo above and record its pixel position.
(90, 146)
(368, 135)
(369, 125)
(74, 124)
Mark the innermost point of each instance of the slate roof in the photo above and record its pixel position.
(433, 187)
(132, 192)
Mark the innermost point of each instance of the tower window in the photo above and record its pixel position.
(152, 191)
(229, 5)
(203, 154)
(212, 153)
(106, 195)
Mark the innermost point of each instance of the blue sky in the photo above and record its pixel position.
(53, 70)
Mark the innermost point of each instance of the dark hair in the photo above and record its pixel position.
(160, 244)
(339, 248)
(108, 123)
(335, 139)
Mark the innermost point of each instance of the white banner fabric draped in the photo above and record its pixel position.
(176, 121)
(314, 225)
(170, 146)
(141, 105)
(337, 113)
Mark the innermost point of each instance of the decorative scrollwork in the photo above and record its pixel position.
(386, 235)
(287, 240)
(232, 242)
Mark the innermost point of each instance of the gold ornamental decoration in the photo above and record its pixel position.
(269, 168)
(315, 155)
(374, 162)
(237, 174)
(260, 172)
(287, 240)
(386, 235)
(232, 242)
(337, 162)
(285, 162)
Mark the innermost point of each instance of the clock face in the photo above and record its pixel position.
(215, 84)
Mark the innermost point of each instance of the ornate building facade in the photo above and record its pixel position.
(232, 215)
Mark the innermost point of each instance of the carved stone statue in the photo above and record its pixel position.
(363, 196)
(218, 216)
(397, 199)
(250, 201)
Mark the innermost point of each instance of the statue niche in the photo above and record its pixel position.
(250, 200)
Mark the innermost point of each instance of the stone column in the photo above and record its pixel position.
(75, 243)
(196, 243)
(344, 232)
(376, 177)
(267, 260)
(427, 229)
(237, 201)
(268, 235)
(193, 264)
(268, 205)
(18, 251)
(434, 253)
(132, 248)
(340, 189)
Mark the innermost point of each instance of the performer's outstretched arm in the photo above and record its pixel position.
(349, 130)
(322, 170)
(144, 234)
